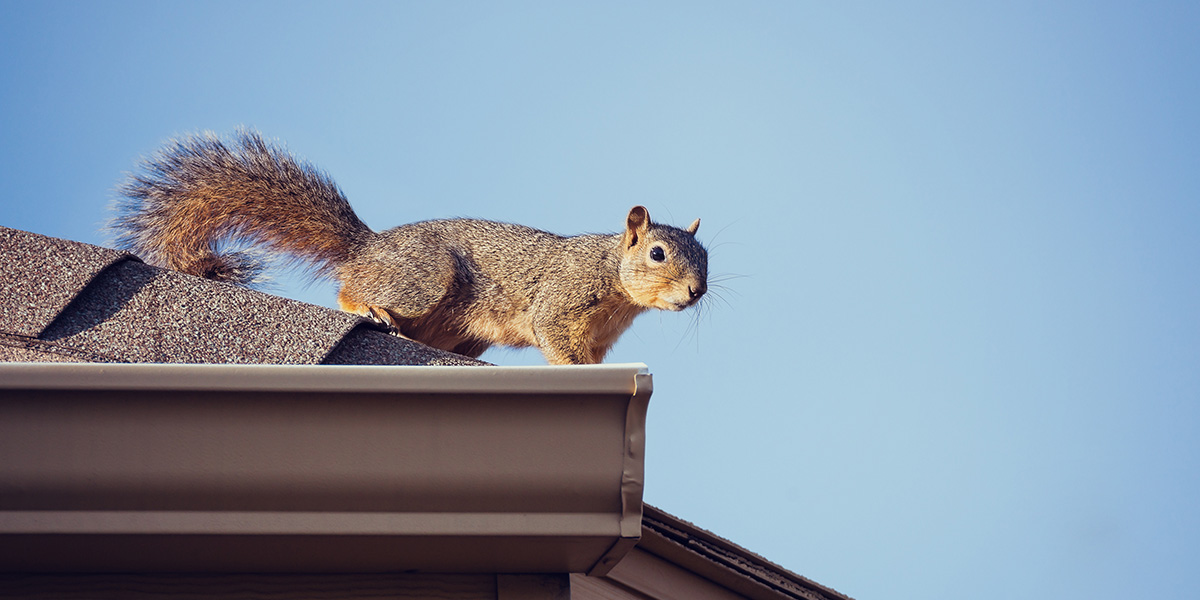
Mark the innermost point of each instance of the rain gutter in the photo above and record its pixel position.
(281, 468)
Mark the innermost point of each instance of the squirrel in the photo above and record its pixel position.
(460, 285)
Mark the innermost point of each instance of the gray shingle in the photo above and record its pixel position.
(40, 275)
(66, 300)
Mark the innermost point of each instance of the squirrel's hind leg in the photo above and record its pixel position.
(378, 314)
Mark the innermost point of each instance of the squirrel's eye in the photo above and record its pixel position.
(657, 254)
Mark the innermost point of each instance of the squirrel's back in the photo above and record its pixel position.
(197, 196)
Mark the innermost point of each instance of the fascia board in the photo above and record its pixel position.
(455, 469)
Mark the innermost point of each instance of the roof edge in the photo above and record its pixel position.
(724, 562)
(565, 379)
(270, 468)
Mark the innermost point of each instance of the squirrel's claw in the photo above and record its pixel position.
(384, 319)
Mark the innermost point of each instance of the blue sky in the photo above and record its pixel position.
(958, 351)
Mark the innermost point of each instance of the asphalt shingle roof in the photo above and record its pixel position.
(67, 301)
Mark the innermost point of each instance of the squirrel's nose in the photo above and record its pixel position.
(696, 292)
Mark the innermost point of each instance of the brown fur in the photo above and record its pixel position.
(456, 284)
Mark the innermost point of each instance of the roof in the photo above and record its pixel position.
(723, 562)
(65, 301)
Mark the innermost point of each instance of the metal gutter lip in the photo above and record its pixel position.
(571, 379)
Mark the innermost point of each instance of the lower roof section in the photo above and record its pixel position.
(270, 468)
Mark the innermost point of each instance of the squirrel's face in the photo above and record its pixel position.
(662, 266)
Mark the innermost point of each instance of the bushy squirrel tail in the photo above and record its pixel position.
(197, 199)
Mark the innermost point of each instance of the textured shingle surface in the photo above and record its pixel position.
(62, 300)
(39, 276)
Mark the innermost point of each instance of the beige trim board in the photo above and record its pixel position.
(286, 587)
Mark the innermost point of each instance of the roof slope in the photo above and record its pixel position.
(65, 301)
(723, 561)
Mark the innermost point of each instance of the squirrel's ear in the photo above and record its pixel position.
(636, 225)
(693, 227)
